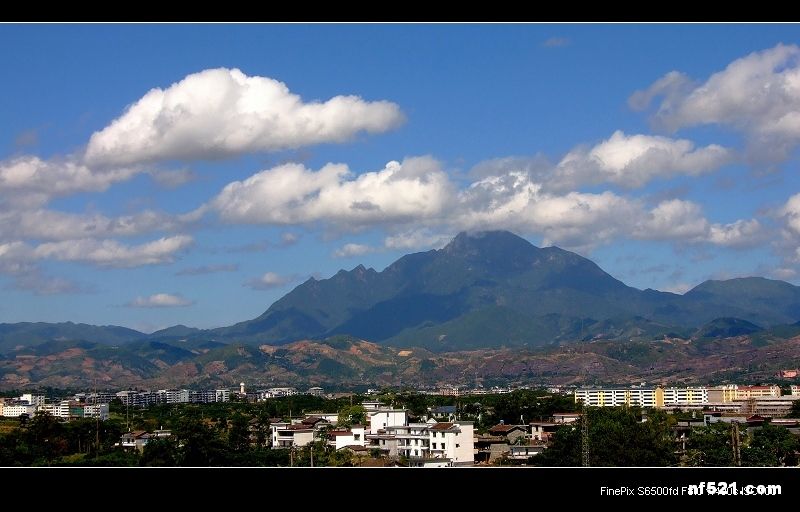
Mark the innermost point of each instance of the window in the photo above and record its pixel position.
(458, 445)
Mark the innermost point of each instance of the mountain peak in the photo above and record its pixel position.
(482, 240)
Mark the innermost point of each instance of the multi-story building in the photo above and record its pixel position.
(58, 409)
(32, 399)
(133, 398)
(452, 441)
(173, 396)
(96, 411)
(681, 396)
(287, 435)
(593, 397)
(747, 392)
(386, 418)
(17, 409)
(315, 391)
(722, 394)
(355, 436)
(222, 395)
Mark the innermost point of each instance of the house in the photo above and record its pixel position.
(286, 435)
(566, 417)
(353, 437)
(386, 418)
(542, 430)
(513, 434)
(524, 451)
(488, 448)
(444, 412)
(137, 439)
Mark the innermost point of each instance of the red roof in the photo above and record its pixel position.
(442, 426)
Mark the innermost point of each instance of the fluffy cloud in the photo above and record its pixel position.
(627, 161)
(350, 250)
(419, 192)
(29, 180)
(268, 281)
(43, 224)
(758, 94)
(160, 300)
(220, 113)
(790, 213)
(415, 239)
(631, 161)
(683, 221)
(111, 253)
(788, 245)
(293, 194)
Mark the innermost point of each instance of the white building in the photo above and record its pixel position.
(356, 436)
(685, 396)
(452, 441)
(32, 399)
(315, 391)
(222, 395)
(57, 410)
(285, 435)
(446, 440)
(15, 410)
(616, 397)
(96, 411)
(173, 396)
(386, 418)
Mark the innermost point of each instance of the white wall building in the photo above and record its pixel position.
(12, 410)
(32, 399)
(616, 397)
(386, 418)
(356, 436)
(285, 435)
(96, 411)
(685, 396)
(452, 441)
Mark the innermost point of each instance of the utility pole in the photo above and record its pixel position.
(737, 455)
(97, 422)
(585, 437)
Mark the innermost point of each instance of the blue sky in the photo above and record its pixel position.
(152, 175)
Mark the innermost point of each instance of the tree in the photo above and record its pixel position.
(771, 446)
(352, 415)
(159, 452)
(617, 437)
(710, 446)
(239, 434)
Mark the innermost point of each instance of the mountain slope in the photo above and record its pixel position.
(24, 334)
(494, 289)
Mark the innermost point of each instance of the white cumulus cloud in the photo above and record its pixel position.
(415, 189)
(220, 113)
(160, 300)
(758, 94)
(631, 161)
(268, 281)
(111, 253)
(350, 250)
(29, 180)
